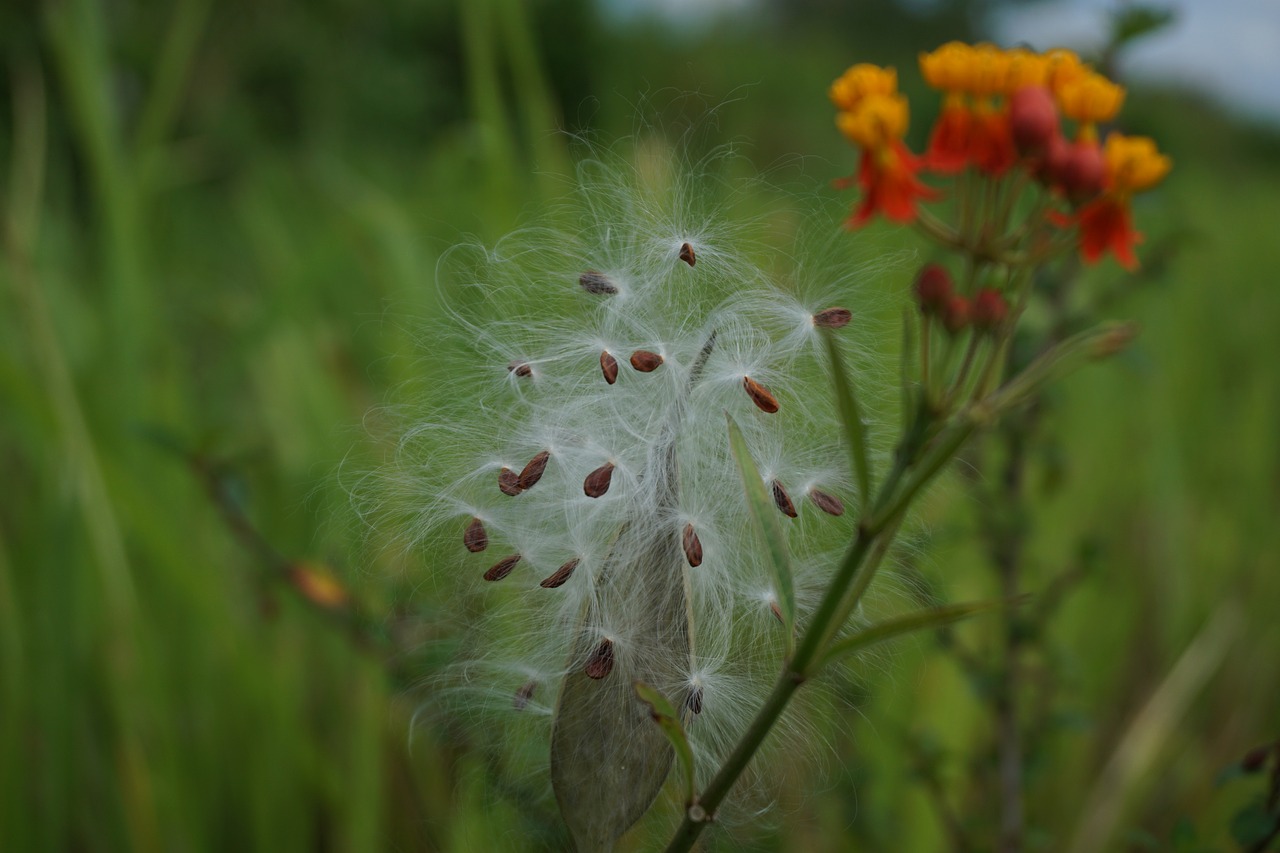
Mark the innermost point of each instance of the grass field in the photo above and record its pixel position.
(220, 230)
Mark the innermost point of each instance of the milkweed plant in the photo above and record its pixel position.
(652, 484)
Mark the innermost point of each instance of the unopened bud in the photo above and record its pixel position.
(1033, 119)
(933, 289)
(1115, 340)
(988, 310)
(1084, 173)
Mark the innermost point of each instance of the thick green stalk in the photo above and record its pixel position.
(872, 539)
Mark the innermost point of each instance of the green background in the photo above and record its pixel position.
(220, 225)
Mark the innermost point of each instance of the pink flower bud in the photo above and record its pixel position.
(1084, 172)
(933, 288)
(1033, 119)
(988, 310)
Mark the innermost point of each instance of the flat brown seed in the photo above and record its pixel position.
(833, 318)
(502, 568)
(777, 612)
(609, 367)
(532, 472)
(760, 395)
(520, 368)
(645, 361)
(783, 500)
(561, 575)
(524, 694)
(597, 482)
(597, 282)
(687, 255)
(830, 504)
(694, 702)
(692, 546)
(475, 537)
(509, 482)
(600, 663)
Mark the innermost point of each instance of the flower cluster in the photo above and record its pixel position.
(1003, 117)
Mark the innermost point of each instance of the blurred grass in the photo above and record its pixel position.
(220, 225)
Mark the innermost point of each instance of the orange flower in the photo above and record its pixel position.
(1090, 99)
(886, 170)
(973, 128)
(1106, 224)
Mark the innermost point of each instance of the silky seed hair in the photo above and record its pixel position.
(578, 391)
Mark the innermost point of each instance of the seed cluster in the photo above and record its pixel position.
(603, 519)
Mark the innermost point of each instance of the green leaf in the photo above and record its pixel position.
(1134, 21)
(933, 617)
(769, 524)
(854, 429)
(664, 714)
(1252, 824)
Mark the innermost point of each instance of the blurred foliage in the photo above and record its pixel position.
(220, 222)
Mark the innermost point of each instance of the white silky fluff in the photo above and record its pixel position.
(520, 303)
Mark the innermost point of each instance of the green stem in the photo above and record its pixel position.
(852, 578)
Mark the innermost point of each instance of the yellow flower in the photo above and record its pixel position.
(878, 120)
(949, 68)
(1026, 68)
(1133, 163)
(1090, 99)
(990, 70)
(1061, 67)
(861, 81)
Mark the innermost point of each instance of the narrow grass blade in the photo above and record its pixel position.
(664, 714)
(768, 523)
(854, 429)
(920, 620)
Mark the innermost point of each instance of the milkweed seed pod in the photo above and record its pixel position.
(573, 484)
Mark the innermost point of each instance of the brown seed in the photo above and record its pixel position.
(692, 546)
(600, 663)
(694, 700)
(597, 482)
(509, 482)
(532, 472)
(833, 318)
(830, 504)
(597, 282)
(475, 538)
(502, 568)
(776, 611)
(561, 575)
(686, 254)
(760, 395)
(609, 367)
(645, 361)
(783, 500)
(520, 368)
(524, 694)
